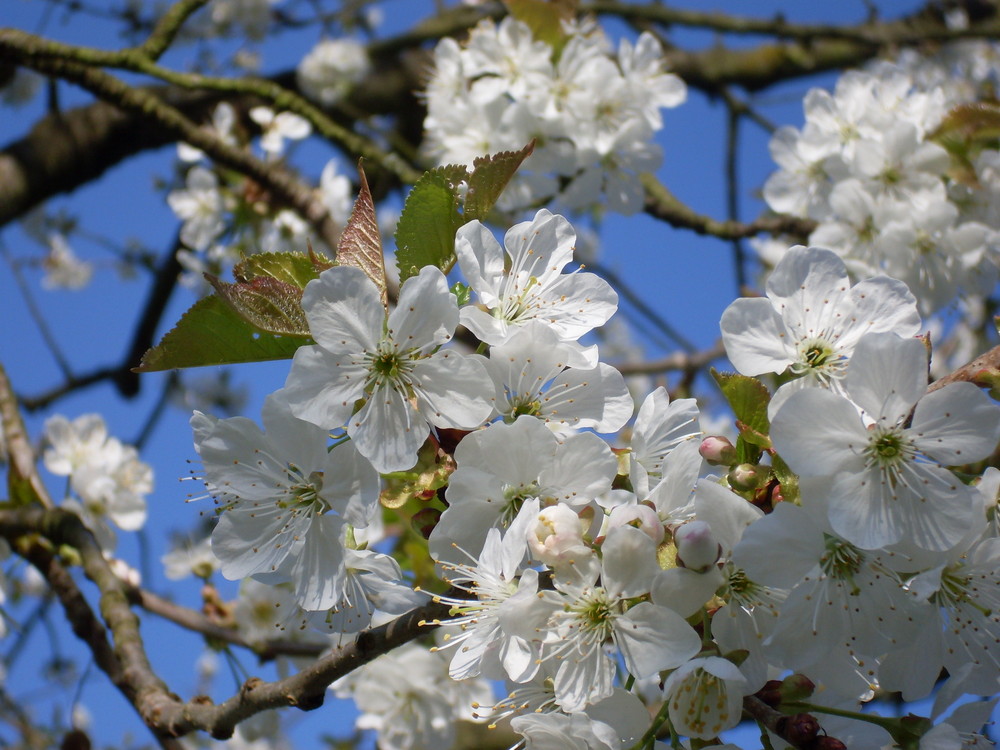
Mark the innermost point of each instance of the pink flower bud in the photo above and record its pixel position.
(556, 537)
(697, 548)
(745, 477)
(718, 451)
(639, 515)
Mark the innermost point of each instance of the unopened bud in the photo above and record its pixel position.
(556, 537)
(697, 548)
(825, 742)
(639, 515)
(796, 687)
(799, 729)
(770, 693)
(745, 477)
(718, 451)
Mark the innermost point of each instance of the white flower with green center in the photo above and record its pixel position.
(503, 466)
(284, 500)
(887, 484)
(591, 609)
(501, 615)
(537, 374)
(812, 319)
(961, 632)
(844, 603)
(385, 378)
(528, 284)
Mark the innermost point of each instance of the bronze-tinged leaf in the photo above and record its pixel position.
(361, 243)
(292, 268)
(490, 175)
(266, 303)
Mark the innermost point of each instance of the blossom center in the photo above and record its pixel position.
(819, 357)
(888, 449)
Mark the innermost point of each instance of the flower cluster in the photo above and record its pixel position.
(107, 479)
(223, 215)
(591, 113)
(868, 165)
(569, 564)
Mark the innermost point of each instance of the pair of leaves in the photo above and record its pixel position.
(260, 317)
(257, 319)
(435, 208)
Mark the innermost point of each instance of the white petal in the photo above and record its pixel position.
(344, 310)
(957, 424)
(453, 390)
(755, 337)
(388, 431)
(322, 387)
(653, 638)
(887, 375)
(819, 433)
(426, 314)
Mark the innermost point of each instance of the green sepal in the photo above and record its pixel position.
(462, 292)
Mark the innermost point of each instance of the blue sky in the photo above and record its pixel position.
(687, 279)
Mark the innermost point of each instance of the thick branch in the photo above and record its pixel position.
(814, 47)
(163, 711)
(283, 184)
(23, 481)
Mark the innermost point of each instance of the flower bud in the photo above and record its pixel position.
(556, 537)
(825, 742)
(770, 693)
(799, 729)
(718, 451)
(697, 549)
(639, 515)
(745, 477)
(796, 687)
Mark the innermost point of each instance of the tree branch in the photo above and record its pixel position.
(164, 712)
(984, 367)
(663, 204)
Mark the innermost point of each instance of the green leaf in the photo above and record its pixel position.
(291, 268)
(265, 303)
(490, 175)
(748, 398)
(425, 233)
(361, 242)
(545, 19)
(212, 333)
